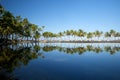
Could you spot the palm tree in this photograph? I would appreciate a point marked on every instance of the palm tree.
(7, 22)
(18, 27)
(14, 26)
(34, 29)
(60, 34)
(48, 35)
(40, 29)
(80, 33)
(45, 34)
(107, 35)
(68, 34)
(74, 34)
(26, 27)
(36, 35)
(84, 34)
(112, 33)
(98, 34)
(117, 35)
(89, 35)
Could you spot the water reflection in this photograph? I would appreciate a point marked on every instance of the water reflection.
(15, 56)
(11, 57)
(82, 49)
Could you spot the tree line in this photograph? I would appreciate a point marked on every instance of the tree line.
(81, 35)
(15, 28)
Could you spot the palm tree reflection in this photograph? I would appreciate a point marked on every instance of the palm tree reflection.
(81, 49)
(12, 57)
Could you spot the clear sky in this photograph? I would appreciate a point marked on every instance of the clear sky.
(60, 15)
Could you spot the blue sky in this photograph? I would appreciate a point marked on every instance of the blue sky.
(60, 15)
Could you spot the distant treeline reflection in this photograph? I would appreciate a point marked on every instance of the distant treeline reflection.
(81, 50)
(13, 56)
(16, 55)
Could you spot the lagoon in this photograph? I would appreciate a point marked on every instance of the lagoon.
(60, 61)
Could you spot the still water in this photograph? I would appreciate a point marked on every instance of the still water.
(60, 61)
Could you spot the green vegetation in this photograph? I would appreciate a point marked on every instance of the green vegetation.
(82, 36)
(14, 28)
(17, 29)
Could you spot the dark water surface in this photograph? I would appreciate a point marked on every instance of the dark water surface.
(60, 61)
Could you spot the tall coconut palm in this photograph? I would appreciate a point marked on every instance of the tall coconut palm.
(68, 34)
(71, 33)
(60, 35)
(74, 34)
(37, 36)
(98, 34)
(107, 35)
(90, 35)
(34, 29)
(117, 35)
(80, 33)
(112, 33)
(26, 28)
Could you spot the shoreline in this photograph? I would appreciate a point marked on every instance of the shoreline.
(44, 41)
(54, 41)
